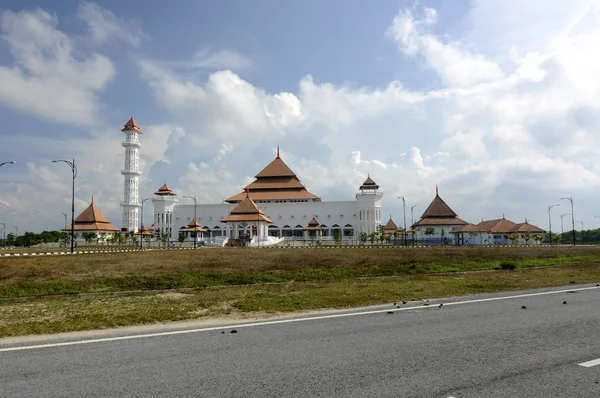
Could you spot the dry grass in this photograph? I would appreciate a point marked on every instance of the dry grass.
(59, 314)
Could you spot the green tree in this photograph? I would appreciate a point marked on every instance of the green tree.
(363, 238)
(338, 238)
(10, 239)
(527, 237)
(513, 237)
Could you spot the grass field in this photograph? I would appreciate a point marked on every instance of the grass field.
(118, 289)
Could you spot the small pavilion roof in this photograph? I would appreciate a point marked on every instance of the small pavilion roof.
(313, 225)
(165, 190)
(246, 211)
(132, 125)
(390, 226)
(369, 184)
(193, 226)
(143, 231)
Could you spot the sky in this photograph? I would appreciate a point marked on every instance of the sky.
(494, 101)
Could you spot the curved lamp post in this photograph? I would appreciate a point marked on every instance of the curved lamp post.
(404, 214)
(562, 230)
(195, 219)
(570, 199)
(550, 221)
(3, 233)
(74, 170)
(9, 162)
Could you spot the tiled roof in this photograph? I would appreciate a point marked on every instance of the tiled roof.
(369, 184)
(438, 208)
(498, 226)
(439, 221)
(469, 228)
(528, 228)
(165, 190)
(275, 182)
(390, 226)
(131, 125)
(92, 219)
(248, 211)
(313, 225)
(143, 231)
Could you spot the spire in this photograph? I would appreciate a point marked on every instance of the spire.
(92, 199)
(436, 190)
(277, 151)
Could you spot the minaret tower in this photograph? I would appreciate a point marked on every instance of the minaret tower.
(131, 172)
(369, 207)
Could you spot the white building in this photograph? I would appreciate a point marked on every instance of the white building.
(282, 198)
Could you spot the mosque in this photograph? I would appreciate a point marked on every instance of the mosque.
(276, 206)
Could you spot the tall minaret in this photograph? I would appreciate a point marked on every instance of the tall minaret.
(131, 172)
(369, 207)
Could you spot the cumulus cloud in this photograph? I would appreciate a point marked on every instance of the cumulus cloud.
(47, 79)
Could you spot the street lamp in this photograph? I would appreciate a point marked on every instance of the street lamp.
(74, 170)
(550, 221)
(16, 231)
(11, 162)
(142, 223)
(64, 214)
(562, 230)
(404, 214)
(570, 199)
(412, 222)
(196, 228)
(3, 232)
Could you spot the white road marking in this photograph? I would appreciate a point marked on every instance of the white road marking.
(589, 364)
(282, 321)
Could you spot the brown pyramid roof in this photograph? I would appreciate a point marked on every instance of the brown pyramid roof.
(439, 213)
(369, 184)
(313, 225)
(390, 226)
(246, 211)
(165, 190)
(438, 208)
(131, 125)
(275, 182)
(143, 231)
(193, 226)
(92, 219)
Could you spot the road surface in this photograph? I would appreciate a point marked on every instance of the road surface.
(476, 346)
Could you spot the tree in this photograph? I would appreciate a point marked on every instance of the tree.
(10, 239)
(103, 236)
(527, 237)
(429, 231)
(513, 237)
(363, 237)
(338, 238)
(88, 237)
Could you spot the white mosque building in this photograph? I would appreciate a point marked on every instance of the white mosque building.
(274, 206)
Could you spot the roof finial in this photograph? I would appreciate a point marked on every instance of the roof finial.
(436, 190)
(277, 151)
(92, 199)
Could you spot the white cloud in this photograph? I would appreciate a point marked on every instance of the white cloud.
(218, 59)
(47, 80)
(105, 26)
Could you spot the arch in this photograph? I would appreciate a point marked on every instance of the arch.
(298, 226)
(348, 226)
(335, 226)
(286, 226)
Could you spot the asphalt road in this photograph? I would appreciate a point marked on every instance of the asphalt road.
(467, 348)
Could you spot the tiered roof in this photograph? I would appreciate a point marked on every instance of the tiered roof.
(439, 213)
(275, 182)
(504, 226)
(165, 191)
(246, 211)
(369, 184)
(92, 220)
(193, 226)
(313, 225)
(131, 125)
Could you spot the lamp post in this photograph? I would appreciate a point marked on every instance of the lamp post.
(570, 199)
(404, 215)
(3, 233)
(196, 228)
(64, 214)
(562, 230)
(581, 222)
(412, 222)
(550, 221)
(16, 231)
(74, 170)
(142, 223)
(10, 162)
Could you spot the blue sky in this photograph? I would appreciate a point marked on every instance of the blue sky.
(494, 101)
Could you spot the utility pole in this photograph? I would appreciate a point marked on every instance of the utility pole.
(404, 214)
(195, 219)
(74, 171)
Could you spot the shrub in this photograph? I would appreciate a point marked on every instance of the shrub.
(508, 266)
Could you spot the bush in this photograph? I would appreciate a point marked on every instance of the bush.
(508, 266)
